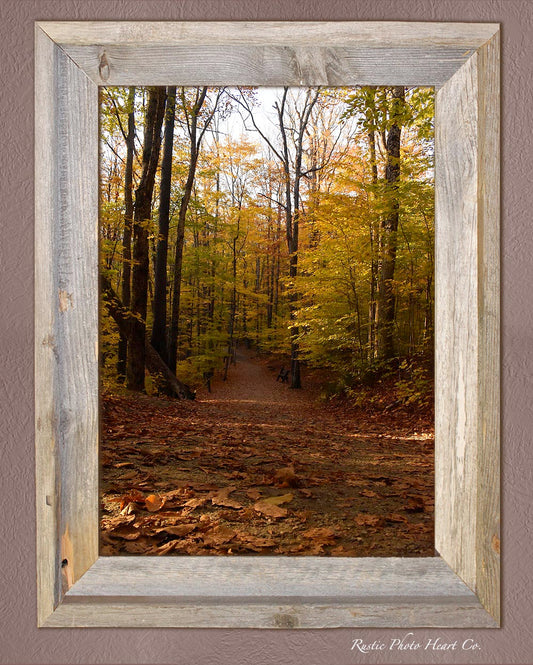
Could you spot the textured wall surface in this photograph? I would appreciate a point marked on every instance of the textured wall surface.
(20, 640)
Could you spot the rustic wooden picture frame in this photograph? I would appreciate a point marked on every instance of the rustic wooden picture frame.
(458, 588)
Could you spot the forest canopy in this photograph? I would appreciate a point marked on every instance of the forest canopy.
(299, 221)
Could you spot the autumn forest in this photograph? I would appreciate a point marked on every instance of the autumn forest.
(266, 335)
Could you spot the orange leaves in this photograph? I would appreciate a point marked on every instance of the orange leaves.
(369, 494)
(134, 496)
(154, 503)
(129, 509)
(221, 498)
(270, 510)
(270, 506)
(324, 535)
(196, 502)
(178, 530)
(203, 478)
(278, 500)
(256, 543)
(368, 520)
(166, 548)
(286, 477)
(218, 535)
(110, 523)
(126, 533)
(395, 517)
(415, 504)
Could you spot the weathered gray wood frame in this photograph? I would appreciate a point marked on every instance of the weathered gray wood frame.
(76, 587)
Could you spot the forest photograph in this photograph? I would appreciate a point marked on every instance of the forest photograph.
(267, 321)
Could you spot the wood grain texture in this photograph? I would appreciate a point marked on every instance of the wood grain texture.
(287, 592)
(456, 321)
(66, 296)
(45, 436)
(467, 324)
(258, 592)
(269, 53)
(488, 481)
(432, 612)
(268, 65)
(365, 33)
(342, 578)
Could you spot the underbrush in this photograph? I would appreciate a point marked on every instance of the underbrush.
(406, 382)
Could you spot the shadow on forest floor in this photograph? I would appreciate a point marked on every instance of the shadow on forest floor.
(255, 467)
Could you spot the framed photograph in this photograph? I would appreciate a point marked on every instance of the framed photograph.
(460, 586)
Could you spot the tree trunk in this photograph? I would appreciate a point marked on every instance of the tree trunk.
(233, 310)
(178, 260)
(128, 223)
(389, 229)
(243, 306)
(278, 264)
(129, 326)
(292, 198)
(293, 230)
(296, 380)
(159, 327)
(141, 222)
(374, 242)
(213, 267)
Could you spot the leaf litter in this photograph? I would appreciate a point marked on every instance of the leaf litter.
(204, 477)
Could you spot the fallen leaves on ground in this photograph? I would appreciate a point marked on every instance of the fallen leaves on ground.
(153, 503)
(278, 500)
(324, 535)
(222, 498)
(368, 520)
(207, 477)
(269, 510)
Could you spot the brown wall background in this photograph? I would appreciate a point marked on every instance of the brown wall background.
(20, 640)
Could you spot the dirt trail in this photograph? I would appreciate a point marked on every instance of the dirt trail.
(253, 392)
(255, 467)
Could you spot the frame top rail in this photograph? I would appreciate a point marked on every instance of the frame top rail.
(369, 34)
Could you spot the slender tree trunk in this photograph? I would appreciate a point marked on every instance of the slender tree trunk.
(129, 326)
(292, 243)
(158, 339)
(291, 227)
(257, 290)
(429, 342)
(233, 308)
(243, 307)
(128, 227)
(293, 230)
(278, 264)
(270, 274)
(141, 222)
(357, 313)
(292, 199)
(374, 242)
(178, 259)
(296, 380)
(389, 230)
(213, 267)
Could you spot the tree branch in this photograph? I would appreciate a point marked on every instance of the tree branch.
(128, 323)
